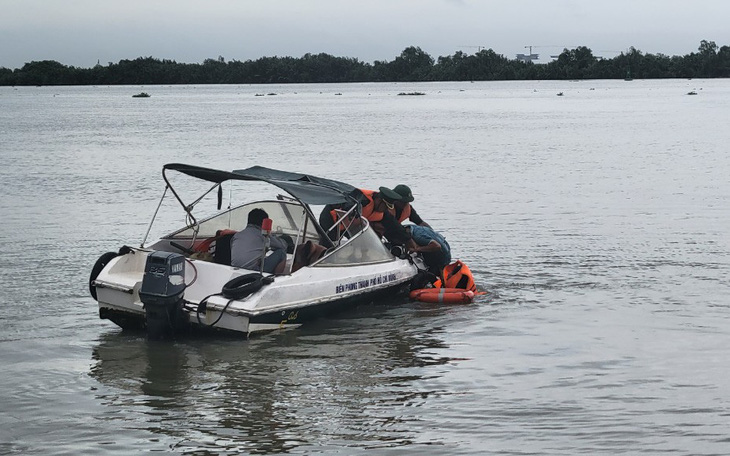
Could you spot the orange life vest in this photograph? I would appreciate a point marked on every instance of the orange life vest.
(456, 275)
(405, 213)
(368, 209)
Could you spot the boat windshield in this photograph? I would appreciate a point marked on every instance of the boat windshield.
(288, 217)
(358, 245)
(363, 248)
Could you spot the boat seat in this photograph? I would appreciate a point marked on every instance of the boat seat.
(222, 254)
(306, 254)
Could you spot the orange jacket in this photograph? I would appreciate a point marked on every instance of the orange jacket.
(368, 209)
(405, 213)
(456, 275)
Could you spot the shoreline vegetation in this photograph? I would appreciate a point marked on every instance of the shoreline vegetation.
(412, 65)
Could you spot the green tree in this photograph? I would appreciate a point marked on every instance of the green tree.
(413, 64)
(575, 63)
(6, 77)
(45, 72)
(709, 61)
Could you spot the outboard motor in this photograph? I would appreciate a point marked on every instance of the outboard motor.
(163, 287)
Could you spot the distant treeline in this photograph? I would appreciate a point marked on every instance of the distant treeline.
(413, 64)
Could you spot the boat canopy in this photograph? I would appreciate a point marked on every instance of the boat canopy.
(304, 187)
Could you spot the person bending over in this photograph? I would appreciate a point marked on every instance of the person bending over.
(249, 244)
(376, 208)
(434, 248)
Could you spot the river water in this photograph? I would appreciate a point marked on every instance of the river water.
(597, 220)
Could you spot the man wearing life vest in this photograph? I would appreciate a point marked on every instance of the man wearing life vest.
(403, 210)
(376, 207)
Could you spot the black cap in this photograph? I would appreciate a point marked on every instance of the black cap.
(389, 195)
(405, 192)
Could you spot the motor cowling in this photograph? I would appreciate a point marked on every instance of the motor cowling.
(162, 291)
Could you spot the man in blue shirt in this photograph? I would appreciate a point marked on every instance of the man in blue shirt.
(434, 248)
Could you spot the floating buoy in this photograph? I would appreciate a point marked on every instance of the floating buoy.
(443, 295)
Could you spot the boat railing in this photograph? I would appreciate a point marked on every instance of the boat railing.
(342, 225)
(362, 247)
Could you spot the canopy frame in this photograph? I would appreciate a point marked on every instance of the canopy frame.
(304, 188)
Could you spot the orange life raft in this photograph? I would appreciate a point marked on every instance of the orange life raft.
(443, 295)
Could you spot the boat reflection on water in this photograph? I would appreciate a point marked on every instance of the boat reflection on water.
(338, 383)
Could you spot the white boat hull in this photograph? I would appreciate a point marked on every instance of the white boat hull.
(285, 303)
(159, 289)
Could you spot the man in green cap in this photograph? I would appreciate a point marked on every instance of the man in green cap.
(403, 209)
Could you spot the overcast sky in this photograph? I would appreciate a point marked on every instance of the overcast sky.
(82, 32)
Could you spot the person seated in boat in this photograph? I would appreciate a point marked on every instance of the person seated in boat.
(403, 209)
(432, 246)
(376, 207)
(248, 246)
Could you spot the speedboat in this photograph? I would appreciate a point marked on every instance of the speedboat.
(184, 282)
